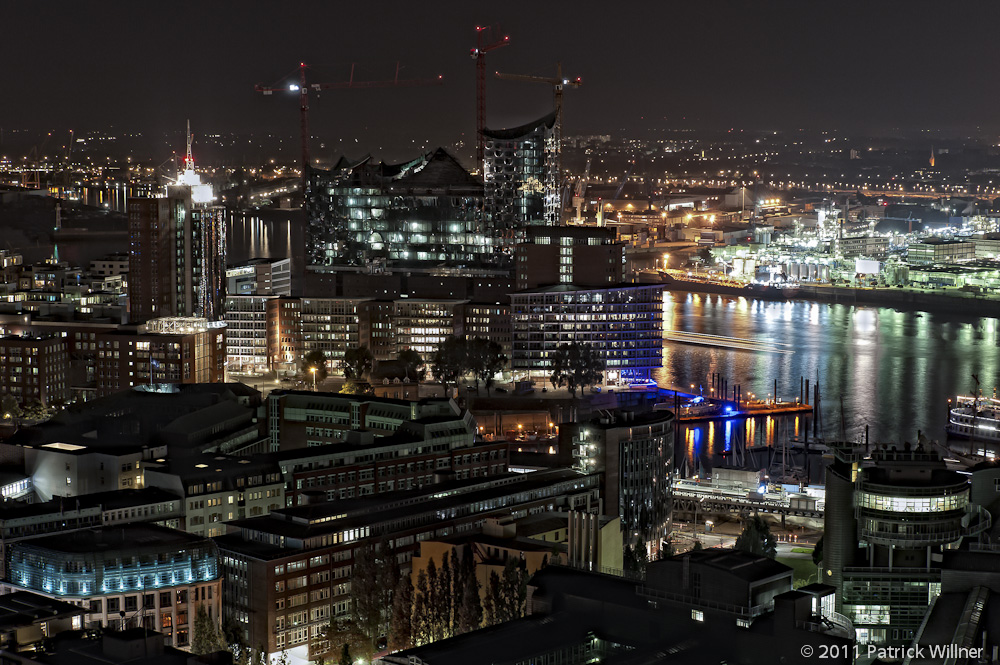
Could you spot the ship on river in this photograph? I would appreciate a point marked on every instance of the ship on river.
(727, 286)
(976, 418)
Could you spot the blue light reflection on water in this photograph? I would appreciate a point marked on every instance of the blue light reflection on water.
(892, 370)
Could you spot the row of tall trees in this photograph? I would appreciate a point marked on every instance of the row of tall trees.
(457, 357)
(448, 600)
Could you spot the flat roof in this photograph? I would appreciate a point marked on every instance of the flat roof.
(127, 537)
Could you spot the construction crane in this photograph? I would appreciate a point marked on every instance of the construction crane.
(484, 44)
(580, 191)
(558, 84)
(303, 87)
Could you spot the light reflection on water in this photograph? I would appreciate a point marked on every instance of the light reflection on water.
(893, 371)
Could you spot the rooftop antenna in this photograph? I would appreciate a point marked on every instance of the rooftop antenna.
(189, 158)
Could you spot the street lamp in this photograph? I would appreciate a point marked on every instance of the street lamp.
(313, 370)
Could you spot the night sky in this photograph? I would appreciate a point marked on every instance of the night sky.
(146, 66)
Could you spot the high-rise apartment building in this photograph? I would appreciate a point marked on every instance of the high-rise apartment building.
(177, 256)
(521, 176)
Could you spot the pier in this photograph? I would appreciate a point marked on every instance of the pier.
(729, 410)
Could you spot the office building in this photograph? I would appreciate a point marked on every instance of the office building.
(940, 250)
(34, 369)
(246, 334)
(260, 277)
(521, 176)
(303, 419)
(623, 324)
(889, 519)
(634, 454)
(177, 256)
(163, 351)
(583, 256)
(287, 575)
(425, 213)
(156, 577)
(216, 489)
(342, 446)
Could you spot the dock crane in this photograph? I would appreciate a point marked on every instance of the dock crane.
(618, 193)
(484, 44)
(303, 87)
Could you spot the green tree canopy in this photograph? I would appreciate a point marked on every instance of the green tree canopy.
(206, 638)
(450, 361)
(576, 365)
(757, 538)
(314, 359)
(358, 363)
(413, 364)
(485, 359)
(9, 408)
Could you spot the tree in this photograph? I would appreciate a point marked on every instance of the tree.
(445, 597)
(413, 364)
(386, 581)
(434, 609)
(35, 410)
(635, 557)
(457, 588)
(401, 624)
(757, 538)
(513, 590)
(450, 361)
(345, 656)
(576, 365)
(485, 359)
(470, 612)
(314, 360)
(491, 603)
(366, 608)
(818, 552)
(206, 637)
(9, 408)
(697, 546)
(232, 634)
(422, 610)
(345, 632)
(358, 363)
(356, 388)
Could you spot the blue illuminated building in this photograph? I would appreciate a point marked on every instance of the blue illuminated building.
(130, 576)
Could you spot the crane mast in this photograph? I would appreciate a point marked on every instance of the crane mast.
(303, 87)
(483, 46)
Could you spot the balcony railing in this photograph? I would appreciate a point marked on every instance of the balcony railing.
(975, 521)
(742, 611)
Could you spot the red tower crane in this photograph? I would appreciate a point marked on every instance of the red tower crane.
(303, 87)
(484, 44)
